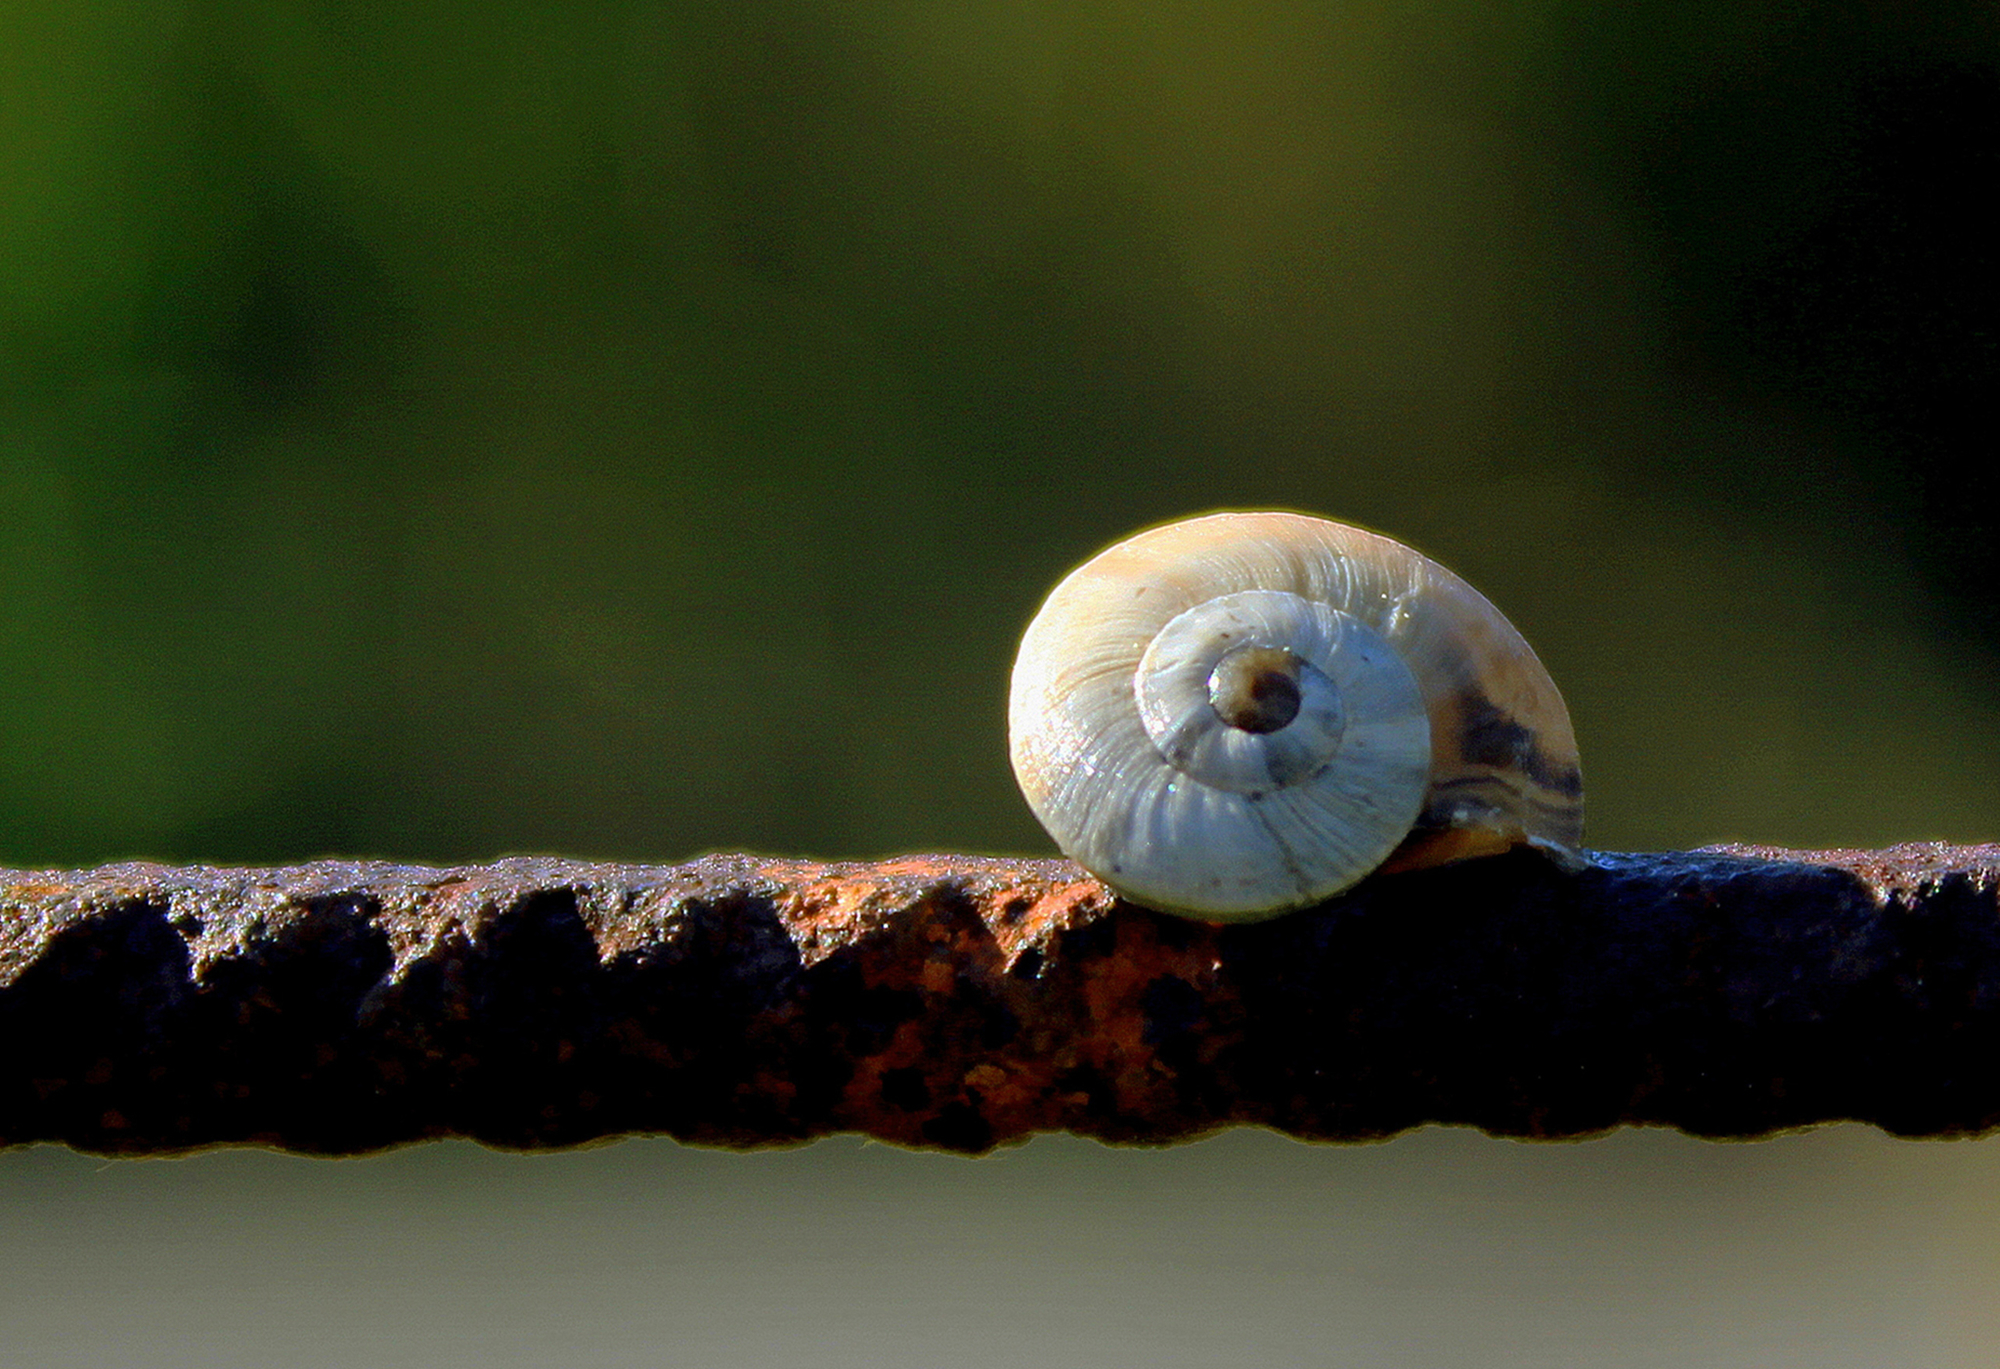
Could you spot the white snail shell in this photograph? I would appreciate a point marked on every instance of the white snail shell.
(1238, 715)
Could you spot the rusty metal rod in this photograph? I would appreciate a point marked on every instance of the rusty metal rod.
(959, 1003)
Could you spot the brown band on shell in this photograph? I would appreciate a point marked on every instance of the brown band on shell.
(1489, 735)
(1505, 777)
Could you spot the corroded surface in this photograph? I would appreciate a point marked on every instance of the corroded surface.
(959, 1002)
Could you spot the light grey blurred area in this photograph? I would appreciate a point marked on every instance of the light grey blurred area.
(441, 431)
(1837, 1247)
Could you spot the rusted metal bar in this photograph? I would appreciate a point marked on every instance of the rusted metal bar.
(958, 1003)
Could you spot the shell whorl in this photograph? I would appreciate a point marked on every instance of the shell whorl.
(1237, 715)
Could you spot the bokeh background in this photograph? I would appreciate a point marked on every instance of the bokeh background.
(448, 430)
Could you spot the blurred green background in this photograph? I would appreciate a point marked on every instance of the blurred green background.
(435, 431)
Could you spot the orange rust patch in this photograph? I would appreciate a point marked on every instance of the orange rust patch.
(1044, 910)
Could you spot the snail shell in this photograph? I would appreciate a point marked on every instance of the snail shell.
(1237, 715)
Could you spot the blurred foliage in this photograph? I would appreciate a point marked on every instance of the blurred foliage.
(443, 430)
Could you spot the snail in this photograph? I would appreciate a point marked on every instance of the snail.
(1238, 715)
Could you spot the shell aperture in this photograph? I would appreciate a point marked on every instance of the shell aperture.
(1237, 715)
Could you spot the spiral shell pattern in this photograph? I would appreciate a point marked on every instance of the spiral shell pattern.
(1241, 714)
